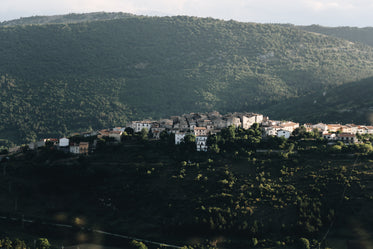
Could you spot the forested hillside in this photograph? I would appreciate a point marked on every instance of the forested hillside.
(349, 103)
(64, 19)
(65, 77)
(354, 34)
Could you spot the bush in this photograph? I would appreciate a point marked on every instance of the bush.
(304, 243)
(336, 149)
(254, 242)
(42, 243)
(138, 245)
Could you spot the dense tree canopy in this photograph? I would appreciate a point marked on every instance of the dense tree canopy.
(349, 103)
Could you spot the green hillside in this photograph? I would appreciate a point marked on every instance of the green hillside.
(354, 34)
(64, 19)
(65, 77)
(349, 103)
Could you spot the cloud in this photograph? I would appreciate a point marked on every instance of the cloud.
(329, 5)
(99, 5)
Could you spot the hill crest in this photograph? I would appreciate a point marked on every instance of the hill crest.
(67, 18)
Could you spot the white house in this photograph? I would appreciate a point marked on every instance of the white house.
(259, 118)
(15, 149)
(35, 145)
(320, 126)
(119, 129)
(179, 137)
(283, 133)
(89, 134)
(137, 126)
(74, 149)
(156, 131)
(116, 135)
(200, 131)
(347, 138)
(184, 125)
(209, 125)
(166, 123)
(362, 130)
(232, 120)
(272, 130)
(289, 126)
(247, 122)
(201, 143)
(81, 148)
(249, 119)
(192, 125)
(308, 126)
(329, 136)
(350, 128)
(64, 142)
(32, 146)
(334, 127)
(220, 123)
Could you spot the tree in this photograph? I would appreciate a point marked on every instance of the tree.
(6, 243)
(164, 136)
(42, 243)
(167, 138)
(3, 151)
(300, 132)
(190, 138)
(214, 148)
(255, 126)
(212, 139)
(291, 147)
(144, 134)
(138, 245)
(336, 148)
(254, 242)
(19, 244)
(189, 143)
(365, 148)
(229, 133)
(304, 243)
(129, 131)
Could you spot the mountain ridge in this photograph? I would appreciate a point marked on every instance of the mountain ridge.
(354, 34)
(66, 18)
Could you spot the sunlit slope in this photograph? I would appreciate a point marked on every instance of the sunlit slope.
(64, 19)
(354, 34)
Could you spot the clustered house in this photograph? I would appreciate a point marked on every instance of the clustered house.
(201, 125)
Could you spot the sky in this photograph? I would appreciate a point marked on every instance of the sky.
(301, 12)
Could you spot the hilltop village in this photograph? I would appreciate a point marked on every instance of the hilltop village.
(202, 125)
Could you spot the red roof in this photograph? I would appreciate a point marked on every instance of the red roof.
(346, 135)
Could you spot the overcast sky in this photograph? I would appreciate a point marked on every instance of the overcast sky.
(304, 12)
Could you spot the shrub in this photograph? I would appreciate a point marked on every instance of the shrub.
(254, 241)
(138, 245)
(304, 243)
(42, 243)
